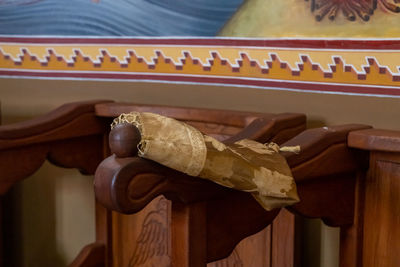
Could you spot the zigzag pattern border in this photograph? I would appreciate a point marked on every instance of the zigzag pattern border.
(187, 68)
(133, 60)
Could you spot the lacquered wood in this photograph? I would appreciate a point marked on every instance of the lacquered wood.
(91, 255)
(224, 124)
(189, 231)
(124, 142)
(277, 127)
(70, 136)
(330, 172)
(73, 136)
(104, 233)
(374, 139)
(143, 239)
(351, 236)
(374, 238)
(253, 251)
(37, 127)
(316, 141)
(325, 169)
(285, 237)
(381, 244)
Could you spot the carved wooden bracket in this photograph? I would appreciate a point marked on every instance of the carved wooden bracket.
(70, 136)
(325, 171)
(129, 184)
(142, 180)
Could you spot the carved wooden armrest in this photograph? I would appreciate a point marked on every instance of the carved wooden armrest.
(127, 170)
(324, 170)
(222, 124)
(129, 184)
(70, 136)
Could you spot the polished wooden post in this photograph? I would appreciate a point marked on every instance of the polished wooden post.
(378, 241)
(189, 234)
(351, 236)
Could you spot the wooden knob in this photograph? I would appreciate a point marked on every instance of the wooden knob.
(124, 139)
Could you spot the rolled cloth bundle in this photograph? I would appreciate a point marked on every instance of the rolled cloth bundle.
(245, 165)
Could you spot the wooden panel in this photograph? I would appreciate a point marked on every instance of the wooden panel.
(92, 255)
(253, 251)
(267, 248)
(283, 240)
(189, 234)
(382, 212)
(374, 139)
(351, 236)
(143, 239)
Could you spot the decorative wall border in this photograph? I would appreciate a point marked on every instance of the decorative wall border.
(366, 67)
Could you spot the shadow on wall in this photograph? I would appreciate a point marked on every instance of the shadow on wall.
(310, 243)
(30, 221)
(50, 217)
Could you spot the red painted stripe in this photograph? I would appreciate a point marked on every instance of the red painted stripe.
(375, 90)
(328, 44)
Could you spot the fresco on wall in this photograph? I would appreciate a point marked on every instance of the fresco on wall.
(335, 46)
(115, 17)
(251, 18)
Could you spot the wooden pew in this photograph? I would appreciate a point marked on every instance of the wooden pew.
(222, 125)
(347, 175)
(210, 220)
(75, 136)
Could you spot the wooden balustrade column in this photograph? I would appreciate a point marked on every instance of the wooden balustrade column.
(189, 234)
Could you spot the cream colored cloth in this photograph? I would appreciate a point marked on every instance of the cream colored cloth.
(245, 165)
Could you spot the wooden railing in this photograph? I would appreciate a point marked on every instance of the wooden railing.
(346, 175)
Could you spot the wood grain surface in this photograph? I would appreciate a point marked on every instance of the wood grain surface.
(375, 140)
(222, 125)
(70, 136)
(91, 255)
(325, 169)
(382, 211)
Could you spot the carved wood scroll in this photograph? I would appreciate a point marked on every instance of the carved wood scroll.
(275, 128)
(220, 124)
(70, 136)
(325, 166)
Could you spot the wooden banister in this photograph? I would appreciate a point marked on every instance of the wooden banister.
(70, 136)
(143, 180)
(346, 175)
(73, 136)
(325, 167)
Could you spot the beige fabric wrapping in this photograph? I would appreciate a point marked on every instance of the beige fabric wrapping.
(245, 165)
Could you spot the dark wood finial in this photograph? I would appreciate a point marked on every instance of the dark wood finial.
(124, 139)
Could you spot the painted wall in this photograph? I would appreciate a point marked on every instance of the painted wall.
(54, 209)
(296, 18)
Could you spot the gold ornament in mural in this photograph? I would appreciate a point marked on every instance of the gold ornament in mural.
(351, 9)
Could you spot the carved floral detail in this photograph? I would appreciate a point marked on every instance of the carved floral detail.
(351, 9)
